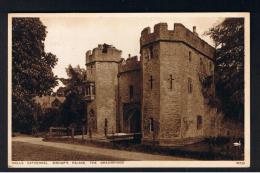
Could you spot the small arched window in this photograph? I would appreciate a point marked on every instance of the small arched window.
(105, 122)
(91, 113)
(131, 91)
(190, 56)
(199, 122)
(151, 124)
(150, 52)
(210, 66)
(189, 85)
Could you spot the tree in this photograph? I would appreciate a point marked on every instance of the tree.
(31, 70)
(76, 81)
(228, 37)
(49, 117)
(73, 109)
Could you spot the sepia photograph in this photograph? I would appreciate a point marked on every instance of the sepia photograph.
(128, 90)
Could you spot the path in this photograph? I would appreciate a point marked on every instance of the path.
(120, 154)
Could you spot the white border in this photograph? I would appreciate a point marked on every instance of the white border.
(133, 164)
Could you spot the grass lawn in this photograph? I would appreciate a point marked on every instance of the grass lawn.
(22, 151)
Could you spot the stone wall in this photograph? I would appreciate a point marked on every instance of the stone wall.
(106, 92)
(102, 69)
(129, 74)
(171, 57)
(179, 34)
(193, 104)
(171, 114)
(182, 55)
(92, 116)
(231, 129)
(150, 96)
(104, 53)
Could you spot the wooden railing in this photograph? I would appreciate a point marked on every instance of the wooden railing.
(58, 131)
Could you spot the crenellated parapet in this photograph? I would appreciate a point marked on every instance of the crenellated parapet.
(179, 34)
(105, 53)
(130, 64)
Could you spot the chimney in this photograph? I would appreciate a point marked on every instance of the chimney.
(194, 30)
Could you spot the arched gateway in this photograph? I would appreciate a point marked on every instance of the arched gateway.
(132, 118)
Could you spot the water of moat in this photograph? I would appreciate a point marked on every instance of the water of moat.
(209, 149)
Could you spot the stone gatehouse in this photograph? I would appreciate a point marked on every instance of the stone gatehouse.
(159, 95)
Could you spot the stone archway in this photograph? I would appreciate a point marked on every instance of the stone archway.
(132, 118)
(134, 121)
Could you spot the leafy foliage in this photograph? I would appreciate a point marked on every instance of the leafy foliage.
(31, 70)
(76, 80)
(23, 117)
(50, 117)
(208, 90)
(73, 109)
(229, 66)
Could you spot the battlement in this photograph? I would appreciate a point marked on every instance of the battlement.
(130, 64)
(103, 52)
(179, 34)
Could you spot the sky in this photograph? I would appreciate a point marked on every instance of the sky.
(70, 37)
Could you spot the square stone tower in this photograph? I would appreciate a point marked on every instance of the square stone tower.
(102, 69)
(173, 107)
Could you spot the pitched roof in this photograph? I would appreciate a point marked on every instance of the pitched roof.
(46, 101)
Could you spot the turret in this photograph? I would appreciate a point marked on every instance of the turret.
(103, 52)
(130, 64)
(171, 95)
(179, 34)
(102, 69)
